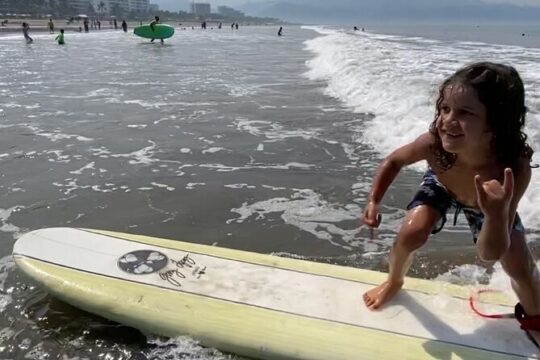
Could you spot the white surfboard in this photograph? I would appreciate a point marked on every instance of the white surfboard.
(263, 306)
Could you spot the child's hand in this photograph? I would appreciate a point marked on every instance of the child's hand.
(494, 198)
(371, 216)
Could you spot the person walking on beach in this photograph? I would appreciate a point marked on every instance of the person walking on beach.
(153, 24)
(25, 30)
(124, 25)
(478, 162)
(51, 26)
(60, 37)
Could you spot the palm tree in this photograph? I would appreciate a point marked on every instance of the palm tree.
(101, 8)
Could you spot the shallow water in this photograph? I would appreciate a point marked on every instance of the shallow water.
(235, 138)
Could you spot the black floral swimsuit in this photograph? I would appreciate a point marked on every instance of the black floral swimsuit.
(434, 194)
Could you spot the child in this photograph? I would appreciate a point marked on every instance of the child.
(479, 163)
(60, 37)
(25, 30)
(153, 25)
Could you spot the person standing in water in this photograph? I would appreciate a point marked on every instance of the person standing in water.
(279, 33)
(60, 37)
(478, 162)
(51, 26)
(124, 25)
(25, 30)
(153, 24)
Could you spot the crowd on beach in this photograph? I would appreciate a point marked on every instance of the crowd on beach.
(95, 24)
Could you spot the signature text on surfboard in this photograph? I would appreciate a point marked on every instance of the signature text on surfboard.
(183, 268)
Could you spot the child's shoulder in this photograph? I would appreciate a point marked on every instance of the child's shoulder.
(425, 143)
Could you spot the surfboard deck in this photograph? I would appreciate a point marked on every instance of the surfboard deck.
(161, 31)
(263, 306)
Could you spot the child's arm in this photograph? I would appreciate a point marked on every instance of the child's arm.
(387, 171)
(499, 204)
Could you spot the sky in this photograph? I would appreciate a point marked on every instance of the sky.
(336, 11)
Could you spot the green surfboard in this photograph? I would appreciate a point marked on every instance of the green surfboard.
(160, 31)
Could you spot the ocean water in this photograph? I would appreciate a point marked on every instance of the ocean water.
(240, 139)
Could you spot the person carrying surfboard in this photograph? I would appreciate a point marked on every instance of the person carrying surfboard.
(153, 25)
(479, 163)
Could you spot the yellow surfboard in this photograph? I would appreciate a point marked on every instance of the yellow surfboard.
(263, 306)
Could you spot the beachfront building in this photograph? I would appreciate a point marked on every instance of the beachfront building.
(229, 12)
(200, 9)
(115, 5)
(81, 6)
(105, 6)
(139, 5)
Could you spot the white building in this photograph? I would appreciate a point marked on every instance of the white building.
(139, 5)
(200, 9)
(106, 6)
(122, 4)
(81, 6)
(229, 11)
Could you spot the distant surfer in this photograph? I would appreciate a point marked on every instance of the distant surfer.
(124, 25)
(355, 28)
(153, 24)
(280, 31)
(479, 163)
(51, 26)
(60, 37)
(26, 29)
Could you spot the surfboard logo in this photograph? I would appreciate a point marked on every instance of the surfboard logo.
(142, 262)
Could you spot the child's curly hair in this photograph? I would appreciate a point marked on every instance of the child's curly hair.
(500, 88)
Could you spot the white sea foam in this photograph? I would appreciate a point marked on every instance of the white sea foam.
(184, 348)
(6, 266)
(6, 226)
(192, 185)
(142, 156)
(307, 210)
(89, 166)
(212, 150)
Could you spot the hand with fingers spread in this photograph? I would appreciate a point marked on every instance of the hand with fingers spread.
(493, 197)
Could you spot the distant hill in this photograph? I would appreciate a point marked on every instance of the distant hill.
(347, 11)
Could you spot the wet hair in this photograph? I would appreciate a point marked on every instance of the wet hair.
(500, 88)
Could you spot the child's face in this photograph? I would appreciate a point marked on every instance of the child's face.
(462, 122)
